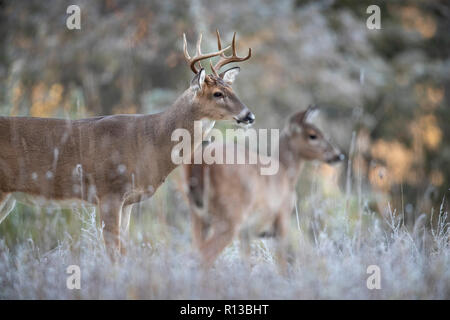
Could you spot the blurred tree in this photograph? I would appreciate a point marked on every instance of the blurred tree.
(390, 86)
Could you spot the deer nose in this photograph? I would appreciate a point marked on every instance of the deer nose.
(249, 118)
(245, 116)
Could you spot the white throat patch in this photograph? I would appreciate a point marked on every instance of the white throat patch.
(207, 125)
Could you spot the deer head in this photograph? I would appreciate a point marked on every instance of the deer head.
(307, 141)
(213, 92)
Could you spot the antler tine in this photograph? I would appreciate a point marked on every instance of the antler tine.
(199, 43)
(199, 49)
(219, 47)
(233, 44)
(185, 51)
(219, 43)
(212, 68)
(229, 59)
(199, 56)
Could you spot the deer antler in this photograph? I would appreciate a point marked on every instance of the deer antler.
(228, 59)
(199, 55)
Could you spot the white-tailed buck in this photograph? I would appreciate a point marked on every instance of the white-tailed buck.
(112, 161)
(229, 200)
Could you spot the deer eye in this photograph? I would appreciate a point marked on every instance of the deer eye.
(218, 94)
(313, 136)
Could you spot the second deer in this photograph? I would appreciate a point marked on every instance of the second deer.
(113, 161)
(229, 200)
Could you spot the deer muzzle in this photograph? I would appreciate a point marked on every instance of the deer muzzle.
(245, 117)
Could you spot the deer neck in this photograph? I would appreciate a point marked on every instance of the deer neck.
(290, 160)
(181, 115)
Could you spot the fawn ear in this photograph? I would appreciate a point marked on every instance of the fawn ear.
(310, 113)
(295, 121)
(298, 118)
(199, 80)
(229, 75)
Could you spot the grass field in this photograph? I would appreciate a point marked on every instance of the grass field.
(332, 248)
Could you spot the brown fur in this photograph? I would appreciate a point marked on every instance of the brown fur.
(109, 161)
(229, 200)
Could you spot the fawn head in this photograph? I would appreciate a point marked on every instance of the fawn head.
(213, 92)
(307, 141)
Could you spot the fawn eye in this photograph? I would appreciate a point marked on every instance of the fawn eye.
(312, 136)
(218, 94)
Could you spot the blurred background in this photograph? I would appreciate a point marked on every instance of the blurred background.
(384, 94)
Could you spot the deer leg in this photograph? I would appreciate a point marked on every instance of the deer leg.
(7, 203)
(199, 230)
(110, 208)
(125, 227)
(281, 230)
(221, 237)
(244, 241)
(196, 226)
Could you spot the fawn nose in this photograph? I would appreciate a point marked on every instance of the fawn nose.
(337, 158)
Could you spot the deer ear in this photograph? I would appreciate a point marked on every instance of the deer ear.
(199, 80)
(229, 75)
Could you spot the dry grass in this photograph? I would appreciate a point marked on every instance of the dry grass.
(330, 255)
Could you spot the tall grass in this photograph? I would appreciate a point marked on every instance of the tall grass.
(332, 247)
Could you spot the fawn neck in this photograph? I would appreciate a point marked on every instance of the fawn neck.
(290, 160)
